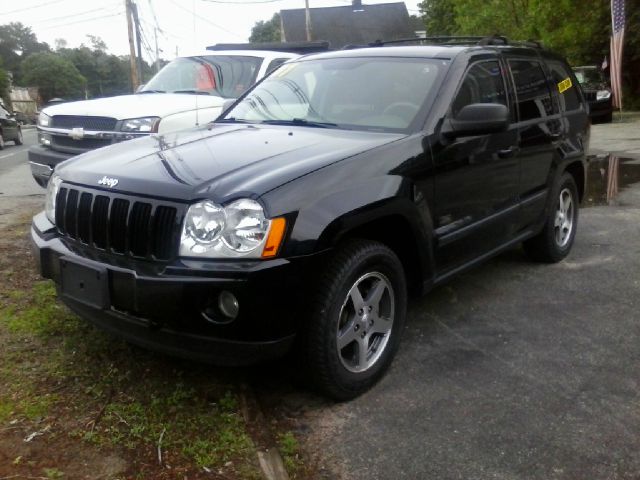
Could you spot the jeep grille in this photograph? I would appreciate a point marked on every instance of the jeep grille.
(138, 228)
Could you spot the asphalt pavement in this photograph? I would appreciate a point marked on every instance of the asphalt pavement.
(514, 370)
(15, 175)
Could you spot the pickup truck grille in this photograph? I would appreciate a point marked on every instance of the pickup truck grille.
(139, 228)
(83, 144)
(107, 124)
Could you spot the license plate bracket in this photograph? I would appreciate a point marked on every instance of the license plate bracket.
(85, 284)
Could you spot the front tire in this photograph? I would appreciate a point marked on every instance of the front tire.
(356, 319)
(1, 141)
(555, 240)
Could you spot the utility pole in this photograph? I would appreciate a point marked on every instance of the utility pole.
(307, 19)
(132, 51)
(155, 34)
(136, 21)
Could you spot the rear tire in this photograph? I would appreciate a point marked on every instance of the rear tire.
(555, 240)
(356, 319)
(18, 140)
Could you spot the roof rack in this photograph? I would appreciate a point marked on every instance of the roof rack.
(453, 40)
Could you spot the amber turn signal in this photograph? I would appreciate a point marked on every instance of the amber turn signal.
(274, 238)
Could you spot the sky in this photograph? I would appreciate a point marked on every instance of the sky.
(182, 26)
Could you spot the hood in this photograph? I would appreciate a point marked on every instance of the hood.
(134, 106)
(218, 162)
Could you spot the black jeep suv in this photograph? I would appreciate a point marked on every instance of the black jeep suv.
(307, 212)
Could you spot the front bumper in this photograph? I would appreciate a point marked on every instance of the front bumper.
(600, 108)
(160, 306)
(43, 161)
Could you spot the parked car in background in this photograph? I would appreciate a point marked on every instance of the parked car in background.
(188, 91)
(305, 214)
(597, 92)
(10, 129)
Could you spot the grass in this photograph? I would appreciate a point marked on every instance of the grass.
(88, 390)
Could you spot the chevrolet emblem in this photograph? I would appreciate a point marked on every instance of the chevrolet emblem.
(77, 133)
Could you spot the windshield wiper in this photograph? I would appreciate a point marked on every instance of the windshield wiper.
(196, 92)
(301, 121)
(232, 120)
(151, 91)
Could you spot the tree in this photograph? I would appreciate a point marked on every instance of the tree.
(17, 42)
(54, 75)
(439, 17)
(4, 87)
(268, 31)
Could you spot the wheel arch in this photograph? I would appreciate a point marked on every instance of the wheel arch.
(577, 170)
(394, 227)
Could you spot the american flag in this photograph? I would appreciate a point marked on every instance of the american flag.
(617, 40)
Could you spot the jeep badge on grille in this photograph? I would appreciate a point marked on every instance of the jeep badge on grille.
(109, 182)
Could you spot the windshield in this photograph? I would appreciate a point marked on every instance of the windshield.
(374, 93)
(227, 76)
(589, 76)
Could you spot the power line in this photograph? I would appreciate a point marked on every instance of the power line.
(249, 2)
(204, 19)
(73, 15)
(32, 7)
(82, 21)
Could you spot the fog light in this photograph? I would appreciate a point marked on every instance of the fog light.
(228, 304)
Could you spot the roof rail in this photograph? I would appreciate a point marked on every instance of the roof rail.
(453, 40)
(290, 47)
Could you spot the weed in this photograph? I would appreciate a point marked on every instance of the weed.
(53, 473)
(290, 451)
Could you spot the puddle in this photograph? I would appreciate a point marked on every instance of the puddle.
(607, 176)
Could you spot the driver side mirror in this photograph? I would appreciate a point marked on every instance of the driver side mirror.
(477, 119)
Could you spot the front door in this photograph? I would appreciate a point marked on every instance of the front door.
(476, 177)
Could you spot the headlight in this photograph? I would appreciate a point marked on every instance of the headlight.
(603, 94)
(50, 200)
(239, 229)
(44, 120)
(142, 125)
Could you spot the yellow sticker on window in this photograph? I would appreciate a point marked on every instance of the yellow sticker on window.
(565, 85)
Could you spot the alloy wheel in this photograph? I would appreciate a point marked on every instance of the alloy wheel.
(365, 322)
(563, 224)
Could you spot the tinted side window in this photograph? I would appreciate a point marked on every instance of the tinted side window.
(533, 97)
(482, 83)
(275, 64)
(567, 91)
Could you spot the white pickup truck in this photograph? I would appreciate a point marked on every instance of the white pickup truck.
(187, 92)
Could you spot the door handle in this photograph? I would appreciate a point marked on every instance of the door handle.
(554, 137)
(508, 152)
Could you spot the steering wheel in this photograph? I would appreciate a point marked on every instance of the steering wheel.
(399, 108)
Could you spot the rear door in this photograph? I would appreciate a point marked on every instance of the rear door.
(541, 132)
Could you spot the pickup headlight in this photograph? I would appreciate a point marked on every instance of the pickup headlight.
(238, 230)
(603, 94)
(141, 125)
(50, 200)
(44, 120)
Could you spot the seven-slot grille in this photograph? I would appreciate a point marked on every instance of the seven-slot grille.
(88, 123)
(589, 96)
(127, 226)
